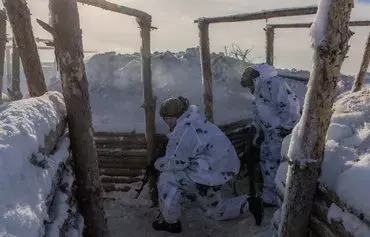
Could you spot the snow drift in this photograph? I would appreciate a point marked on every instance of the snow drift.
(346, 165)
(33, 159)
(116, 89)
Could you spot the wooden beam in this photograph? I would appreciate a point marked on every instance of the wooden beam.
(20, 19)
(8, 67)
(2, 50)
(115, 8)
(308, 25)
(16, 73)
(270, 45)
(69, 53)
(261, 15)
(205, 59)
(310, 133)
(146, 75)
(363, 68)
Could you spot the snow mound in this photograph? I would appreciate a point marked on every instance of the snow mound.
(346, 165)
(116, 89)
(25, 187)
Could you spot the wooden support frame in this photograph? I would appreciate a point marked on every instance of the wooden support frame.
(8, 67)
(205, 55)
(20, 20)
(270, 35)
(145, 22)
(16, 73)
(270, 31)
(363, 68)
(261, 15)
(2, 50)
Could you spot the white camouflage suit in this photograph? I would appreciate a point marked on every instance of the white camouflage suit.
(199, 160)
(278, 111)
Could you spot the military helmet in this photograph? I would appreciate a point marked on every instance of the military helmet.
(174, 107)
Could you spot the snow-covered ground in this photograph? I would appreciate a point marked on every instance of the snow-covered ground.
(133, 217)
(346, 164)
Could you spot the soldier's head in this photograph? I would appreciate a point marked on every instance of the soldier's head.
(172, 108)
(255, 72)
(248, 78)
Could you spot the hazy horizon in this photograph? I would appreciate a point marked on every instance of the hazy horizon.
(106, 31)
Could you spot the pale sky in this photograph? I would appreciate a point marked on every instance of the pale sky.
(106, 31)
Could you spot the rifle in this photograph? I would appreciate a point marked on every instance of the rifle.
(148, 173)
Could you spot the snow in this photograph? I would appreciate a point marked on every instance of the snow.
(350, 222)
(320, 23)
(24, 187)
(346, 165)
(133, 217)
(116, 89)
(115, 85)
(23, 194)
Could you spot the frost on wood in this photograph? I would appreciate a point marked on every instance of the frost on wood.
(320, 24)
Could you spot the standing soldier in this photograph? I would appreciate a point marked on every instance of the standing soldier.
(277, 112)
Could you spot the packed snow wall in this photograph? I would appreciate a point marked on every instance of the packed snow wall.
(343, 202)
(36, 178)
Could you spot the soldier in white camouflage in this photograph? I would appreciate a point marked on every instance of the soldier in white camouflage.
(199, 160)
(277, 112)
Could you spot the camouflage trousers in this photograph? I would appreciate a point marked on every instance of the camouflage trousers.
(270, 159)
(172, 186)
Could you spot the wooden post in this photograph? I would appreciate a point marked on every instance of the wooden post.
(306, 155)
(270, 45)
(205, 59)
(3, 41)
(146, 75)
(8, 68)
(20, 20)
(15, 92)
(67, 36)
(364, 65)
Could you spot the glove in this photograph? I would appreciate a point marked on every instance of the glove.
(160, 164)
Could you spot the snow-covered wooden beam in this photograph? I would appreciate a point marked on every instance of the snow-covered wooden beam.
(115, 8)
(261, 15)
(308, 25)
(330, 37)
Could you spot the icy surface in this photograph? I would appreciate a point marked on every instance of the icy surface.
(24, 186)
(320, 23)
(346, 164)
